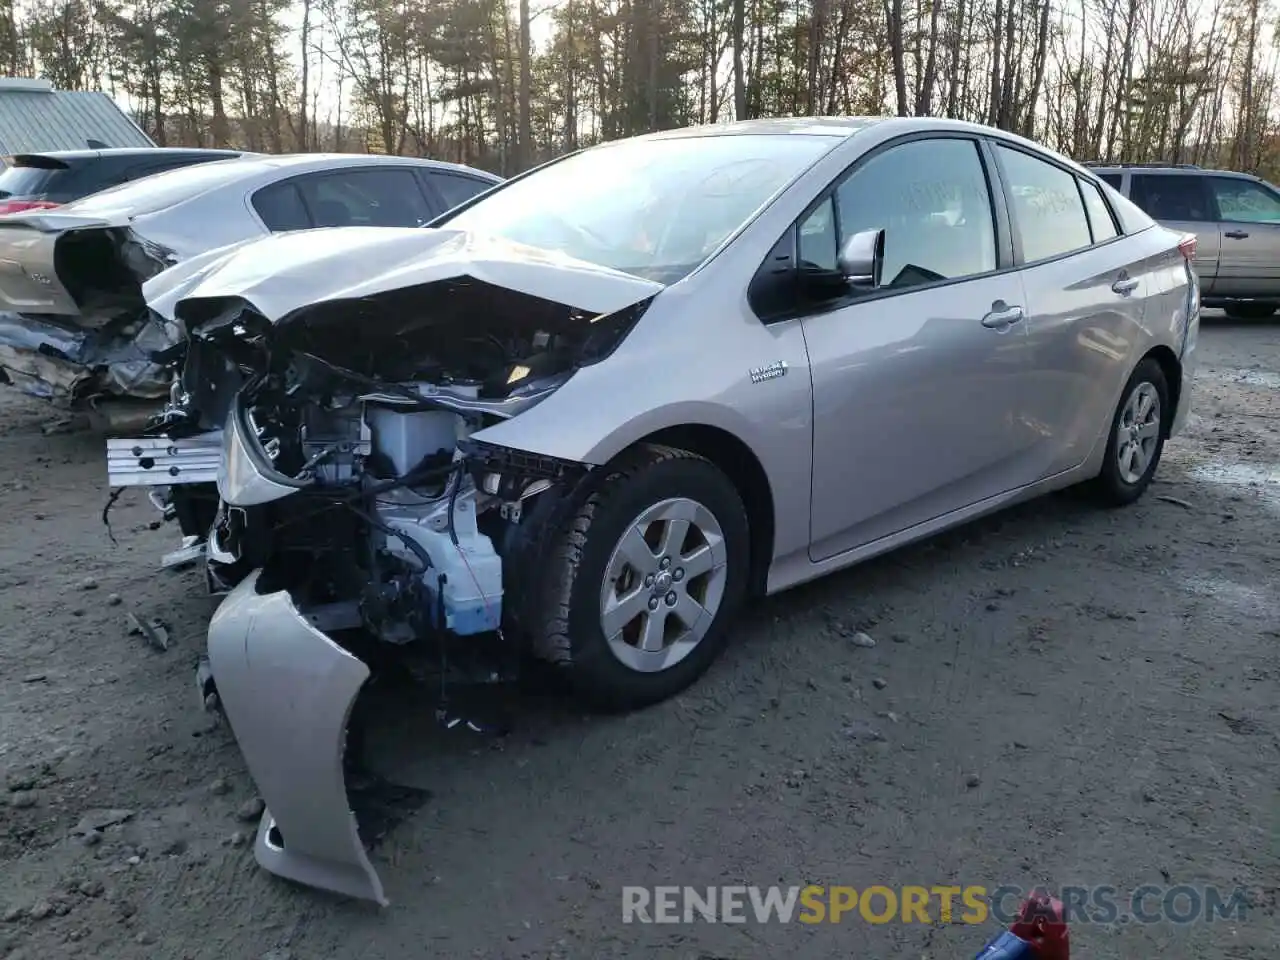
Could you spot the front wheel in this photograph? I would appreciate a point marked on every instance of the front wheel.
(649, 574)
(1136, 441)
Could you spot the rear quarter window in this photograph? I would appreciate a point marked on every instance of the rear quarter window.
(1130, 215)
(163, 190)
(1100, 221)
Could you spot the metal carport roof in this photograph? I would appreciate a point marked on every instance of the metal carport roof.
(35, 118)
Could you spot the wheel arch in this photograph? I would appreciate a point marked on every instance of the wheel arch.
(745, 471)
(1171, 367)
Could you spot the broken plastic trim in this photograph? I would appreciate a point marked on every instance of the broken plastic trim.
(506, 473)
(246, 476)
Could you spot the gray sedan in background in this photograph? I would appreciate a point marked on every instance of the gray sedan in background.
(73, 325)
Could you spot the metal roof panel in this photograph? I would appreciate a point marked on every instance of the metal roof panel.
(35, 121)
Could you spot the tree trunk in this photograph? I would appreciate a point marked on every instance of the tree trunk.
(739, 29)
(525, 156)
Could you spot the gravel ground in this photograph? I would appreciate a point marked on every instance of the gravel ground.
(1055, 695)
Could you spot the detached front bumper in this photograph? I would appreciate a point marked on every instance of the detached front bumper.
(288, 691)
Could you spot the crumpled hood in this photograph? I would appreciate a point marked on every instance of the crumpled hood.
(285, 272)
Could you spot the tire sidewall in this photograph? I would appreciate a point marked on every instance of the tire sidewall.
(1250, 311)
(600, 675)
(1114, 485)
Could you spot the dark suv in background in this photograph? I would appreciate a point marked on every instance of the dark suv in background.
(30, 181)
(1235, 217)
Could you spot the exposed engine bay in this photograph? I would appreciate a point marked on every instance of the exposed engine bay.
(323, 451)
(322, 433)
(321, 458)
(365, 411)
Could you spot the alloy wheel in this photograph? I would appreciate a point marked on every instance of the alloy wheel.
(1138, 432)
(663, 584)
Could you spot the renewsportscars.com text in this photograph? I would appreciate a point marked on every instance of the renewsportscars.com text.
(1178, 904)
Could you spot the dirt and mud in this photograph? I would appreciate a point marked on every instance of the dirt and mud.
(1054, 695)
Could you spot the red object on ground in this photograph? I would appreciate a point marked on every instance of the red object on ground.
(1042, 923)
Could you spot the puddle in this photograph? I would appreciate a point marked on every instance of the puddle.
(1252, 378)
(1238, 596)
(1262, 480)
(1239, 474)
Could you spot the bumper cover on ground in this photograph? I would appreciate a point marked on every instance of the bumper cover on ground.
(288, 690)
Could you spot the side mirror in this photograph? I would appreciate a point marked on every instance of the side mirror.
(862, 259)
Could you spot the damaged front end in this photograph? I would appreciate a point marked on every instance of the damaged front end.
(74, 327)
(360, 522)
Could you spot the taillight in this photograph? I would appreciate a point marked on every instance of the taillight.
(17, 206)
(1187, 247)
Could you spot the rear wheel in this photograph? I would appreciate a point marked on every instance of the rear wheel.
(647, 579)
(1137, 436)
(1250, 311)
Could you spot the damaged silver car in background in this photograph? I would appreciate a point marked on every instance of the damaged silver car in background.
(586, 415)
(73, 325)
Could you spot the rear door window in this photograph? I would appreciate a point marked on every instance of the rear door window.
(1171, 196)
(1111, 179)
(385, 197)
(281, 208)
(1047, 208)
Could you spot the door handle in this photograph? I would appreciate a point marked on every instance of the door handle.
(1236, 234)
(1002, 317)
(1125, 286)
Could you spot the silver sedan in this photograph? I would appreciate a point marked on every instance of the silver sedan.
(592, 411)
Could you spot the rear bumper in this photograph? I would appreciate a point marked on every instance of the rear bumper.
(287, 690)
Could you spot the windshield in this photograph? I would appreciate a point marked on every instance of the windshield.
(653, 208)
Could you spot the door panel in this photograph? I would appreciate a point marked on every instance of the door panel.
(916, 383)
(1249, 265)
(1183, 202)
(917, 409)
(1085, 301)
(1085, 315)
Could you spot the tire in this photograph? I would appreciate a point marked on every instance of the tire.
(1123, 479)
(1250, 311)
(589, 569)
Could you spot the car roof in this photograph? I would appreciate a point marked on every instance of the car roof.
(814, 126)
(324, 161)
(184, 184)
(1179, 169)
(843, 128)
